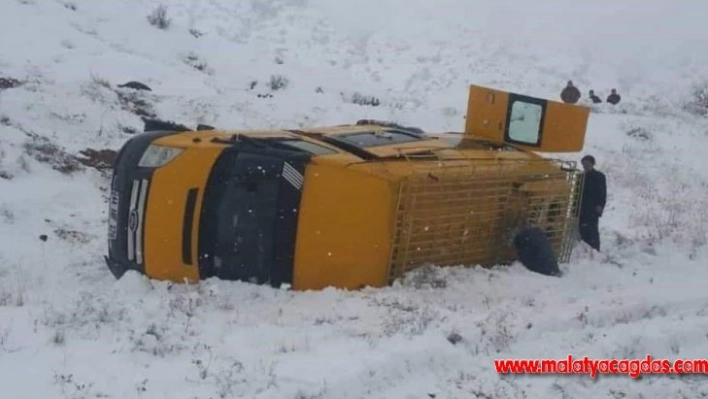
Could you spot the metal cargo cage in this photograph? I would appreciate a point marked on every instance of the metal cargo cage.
(467, 213)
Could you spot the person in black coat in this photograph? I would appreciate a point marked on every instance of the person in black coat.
(614, 98)
(570, 94)
(593, 202)
(595, 99)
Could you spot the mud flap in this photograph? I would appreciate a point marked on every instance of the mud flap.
(117, 269)
(535, 252)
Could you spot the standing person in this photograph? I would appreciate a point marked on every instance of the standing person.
(593, 202)
(570, 93)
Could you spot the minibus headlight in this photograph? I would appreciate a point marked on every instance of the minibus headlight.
(156, 156)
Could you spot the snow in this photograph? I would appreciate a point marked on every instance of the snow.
(68, 329)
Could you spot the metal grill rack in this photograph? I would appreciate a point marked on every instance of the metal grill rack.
(466, 213)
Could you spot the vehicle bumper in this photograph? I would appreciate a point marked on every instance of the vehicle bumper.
(127, 202)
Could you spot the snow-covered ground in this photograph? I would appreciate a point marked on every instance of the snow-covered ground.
(68, 329)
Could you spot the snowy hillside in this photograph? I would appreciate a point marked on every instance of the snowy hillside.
(68, 329)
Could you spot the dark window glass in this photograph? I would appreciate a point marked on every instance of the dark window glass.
(306, 146)
(372, 139)
(238, 217)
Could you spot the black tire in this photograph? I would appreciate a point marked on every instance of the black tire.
(535, 252)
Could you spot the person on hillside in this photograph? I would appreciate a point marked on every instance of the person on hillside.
(593, 202)
(614, 98)
(594, 98)
(570, 93)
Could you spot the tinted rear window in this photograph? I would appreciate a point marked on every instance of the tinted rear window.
(306, 146)
(371, 139)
